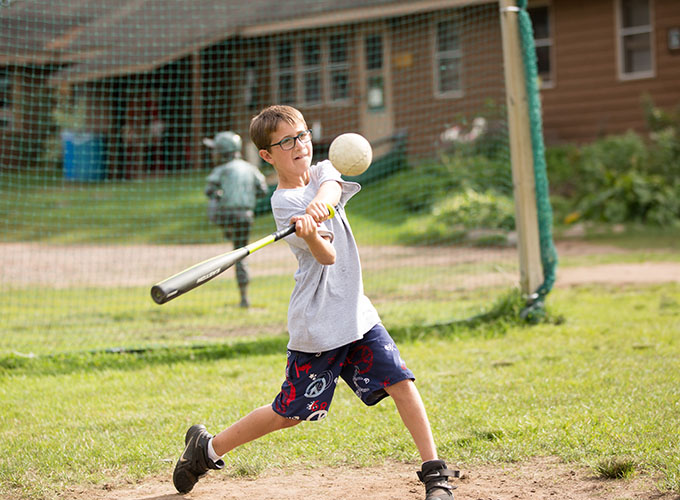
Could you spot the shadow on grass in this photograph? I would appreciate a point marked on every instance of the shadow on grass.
(131, 359)
(508, 311)
(505, 313)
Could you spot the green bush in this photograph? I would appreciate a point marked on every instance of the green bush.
(466, 216)
(479, 172)
(614, 155)
(634, 197)
(473, 210)
(629, 181)
(564, 172)
(420, 186)
(664, 133)
(665, 153)
(624, 178)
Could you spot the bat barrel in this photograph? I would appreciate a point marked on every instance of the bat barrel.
(190, 278)
(161, 293)
(204, 271)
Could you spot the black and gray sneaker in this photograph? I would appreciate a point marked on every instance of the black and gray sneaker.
(194, 462)
(435, 476)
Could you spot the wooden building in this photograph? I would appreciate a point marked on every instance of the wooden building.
(372, 66)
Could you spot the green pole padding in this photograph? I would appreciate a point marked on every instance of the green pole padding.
(544, 209)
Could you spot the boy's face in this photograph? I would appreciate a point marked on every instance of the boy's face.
(293, 162)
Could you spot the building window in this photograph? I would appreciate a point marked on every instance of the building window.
(312, 69)
(540, 20)
(286, 72)
(250, 88)
(375, 85)
(635, 38)
(338, 67)
(5, 98)
(448, 58)
(374, 52)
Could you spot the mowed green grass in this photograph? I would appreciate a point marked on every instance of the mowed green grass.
(168, 210)
(42, 321)
(598, 381)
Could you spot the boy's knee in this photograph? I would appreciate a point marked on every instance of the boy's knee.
(402, 387)
(285, 423)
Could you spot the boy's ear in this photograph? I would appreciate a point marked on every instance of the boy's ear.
(266, 156)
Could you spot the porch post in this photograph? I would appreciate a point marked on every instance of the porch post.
(196, 111)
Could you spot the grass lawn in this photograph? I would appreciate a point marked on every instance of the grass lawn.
(599, 380)
(596, 382)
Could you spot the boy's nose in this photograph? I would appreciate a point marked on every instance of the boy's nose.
(301, 146)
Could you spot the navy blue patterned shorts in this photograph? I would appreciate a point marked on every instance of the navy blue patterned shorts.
(367, 366)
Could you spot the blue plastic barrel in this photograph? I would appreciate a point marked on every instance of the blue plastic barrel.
(83, 156)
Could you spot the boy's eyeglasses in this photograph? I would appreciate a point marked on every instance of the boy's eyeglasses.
(288, 143)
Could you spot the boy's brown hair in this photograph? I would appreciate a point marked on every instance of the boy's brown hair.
(265, 123)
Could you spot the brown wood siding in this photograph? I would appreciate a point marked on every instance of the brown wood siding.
(589, 100)
(418, 109)
(667, 90)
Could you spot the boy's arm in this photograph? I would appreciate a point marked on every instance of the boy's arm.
(328, 194)
(212, 190)
(212, 184)
(307, 229)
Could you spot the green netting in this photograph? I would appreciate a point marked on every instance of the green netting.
(103, 109)
(544, 209)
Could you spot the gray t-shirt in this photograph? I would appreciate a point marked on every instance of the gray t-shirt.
(328, 308)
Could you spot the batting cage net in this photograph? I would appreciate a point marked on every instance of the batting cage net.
(104, 111)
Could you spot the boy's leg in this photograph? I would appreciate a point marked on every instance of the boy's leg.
(434, 473)
(241, 233)
(413, 414)
(310, 376)
(374, 369)
(195, 460)
(256, 424)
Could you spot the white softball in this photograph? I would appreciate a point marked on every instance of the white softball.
(350, 154)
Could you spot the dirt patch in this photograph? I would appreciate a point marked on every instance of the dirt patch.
(535, 479)
(64, 266)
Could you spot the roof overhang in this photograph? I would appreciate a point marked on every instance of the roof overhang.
(95, 69)
(350, 16)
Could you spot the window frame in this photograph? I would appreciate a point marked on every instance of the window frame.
(325, 69)
(374, 70)
(251, 91)
(314, 69)
(285, 71)
(337, 67)
(622, 33)
(6, 77)
(457, 54)
(548, 42)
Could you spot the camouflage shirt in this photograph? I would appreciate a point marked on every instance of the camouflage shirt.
(236, 185)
